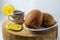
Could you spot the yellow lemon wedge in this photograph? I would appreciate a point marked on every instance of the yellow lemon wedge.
(12, 26)
(7, 9)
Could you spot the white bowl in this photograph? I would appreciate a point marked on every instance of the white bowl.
(40, 29)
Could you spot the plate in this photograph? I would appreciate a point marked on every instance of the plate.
(40, 29)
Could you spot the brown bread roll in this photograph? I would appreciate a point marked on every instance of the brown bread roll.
(34, 19)
(48, 20)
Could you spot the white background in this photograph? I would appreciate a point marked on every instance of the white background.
(51, 6)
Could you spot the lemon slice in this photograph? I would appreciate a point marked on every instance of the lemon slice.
(7, 9)
(12, 26)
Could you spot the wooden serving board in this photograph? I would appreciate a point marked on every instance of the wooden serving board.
(50, 34)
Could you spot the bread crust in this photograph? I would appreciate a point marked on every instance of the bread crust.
(48, 20)
(34, 19)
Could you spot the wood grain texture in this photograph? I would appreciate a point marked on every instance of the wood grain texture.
(50, 34)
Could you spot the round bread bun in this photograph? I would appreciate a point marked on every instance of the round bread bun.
(34, 19)
(48, 20)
